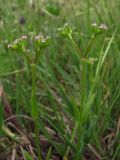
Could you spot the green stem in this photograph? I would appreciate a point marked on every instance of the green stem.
(90, 44)
(34, 110)
(74, 14)
(82, 86)
(38, 54)
(83, 82)
(72, 137)
(26, 57)
(76, 47)
(17, 93)
(88, 12)
(83, 96)
(79, 146)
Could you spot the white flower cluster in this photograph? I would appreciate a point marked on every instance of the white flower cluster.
(41, 41)
(101, 26)
(41, 38)
(17, 41)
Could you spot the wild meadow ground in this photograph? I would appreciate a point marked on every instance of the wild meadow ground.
(59, 80)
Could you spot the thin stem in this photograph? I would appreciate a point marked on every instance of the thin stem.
(74, 14)
(79, 125)
(26, 57)
(72, 137)
(38, 55)
(83, 82)
(79, 146)
(34, 110)
(17, 93)
(90, 44)
(88, 12)
(83, 96)
(76, 47)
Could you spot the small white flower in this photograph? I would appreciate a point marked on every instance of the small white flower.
(24, 37)
(37, 37)
(94, 24)
(103, 26)
(9, 45)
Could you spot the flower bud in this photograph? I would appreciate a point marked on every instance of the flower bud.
(65, 31)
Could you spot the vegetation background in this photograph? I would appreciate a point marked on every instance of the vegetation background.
(78, 100)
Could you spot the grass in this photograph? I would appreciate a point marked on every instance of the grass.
(59, 100)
